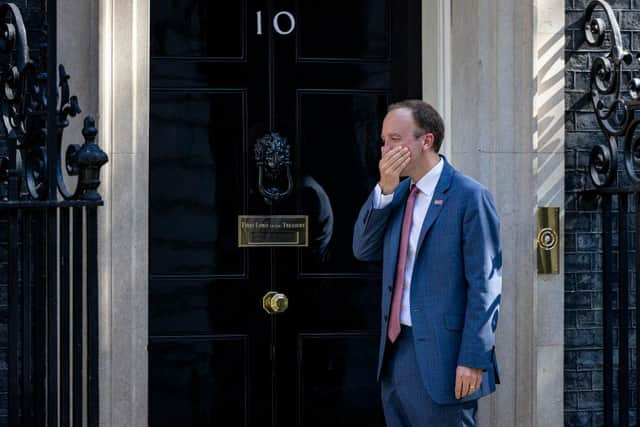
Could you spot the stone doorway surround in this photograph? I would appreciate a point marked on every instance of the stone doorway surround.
(494, 68)
(508, 108)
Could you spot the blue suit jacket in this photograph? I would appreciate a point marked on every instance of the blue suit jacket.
(456, 282)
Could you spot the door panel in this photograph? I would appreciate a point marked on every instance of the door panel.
(198, 382)
(330, 103)
(215, 91)
(335, 382)
(354, 30)
(338, 135)
(199, 306)
(209, 347)
(199, 138)
(194, 28)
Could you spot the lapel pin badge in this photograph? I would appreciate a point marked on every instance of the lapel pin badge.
(438, 202)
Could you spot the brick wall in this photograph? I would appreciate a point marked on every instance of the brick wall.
(584, 397)
(34, 16)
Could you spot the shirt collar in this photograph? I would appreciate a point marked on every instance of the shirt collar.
(427, 184)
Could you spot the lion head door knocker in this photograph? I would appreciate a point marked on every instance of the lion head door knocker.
(273, 160)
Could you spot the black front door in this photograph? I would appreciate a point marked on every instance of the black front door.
(319, 73)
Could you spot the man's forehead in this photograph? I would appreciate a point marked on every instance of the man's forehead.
(397, 119)
(401, 112)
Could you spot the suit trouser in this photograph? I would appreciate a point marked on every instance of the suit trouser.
(405, 400)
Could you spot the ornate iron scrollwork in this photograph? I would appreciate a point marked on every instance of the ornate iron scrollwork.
(272, 154)
(23, 128)
(613, 109)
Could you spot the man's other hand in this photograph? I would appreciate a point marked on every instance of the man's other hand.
(468, 381)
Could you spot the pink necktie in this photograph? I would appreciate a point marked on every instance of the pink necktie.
(396, 302)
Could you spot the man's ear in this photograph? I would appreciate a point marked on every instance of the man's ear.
(427, 142)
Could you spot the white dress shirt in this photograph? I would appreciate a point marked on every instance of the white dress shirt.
(426, 185)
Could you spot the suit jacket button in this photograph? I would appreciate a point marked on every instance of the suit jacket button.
(386, 317)
(390, 288)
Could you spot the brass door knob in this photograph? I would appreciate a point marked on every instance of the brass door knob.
(275, 302)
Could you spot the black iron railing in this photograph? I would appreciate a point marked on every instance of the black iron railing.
(616, 104)
(52, 236)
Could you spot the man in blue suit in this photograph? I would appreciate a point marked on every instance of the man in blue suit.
(437, 234)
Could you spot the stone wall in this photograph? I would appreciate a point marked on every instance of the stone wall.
(507, 115)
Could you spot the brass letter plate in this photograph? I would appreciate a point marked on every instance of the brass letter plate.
(548, 241)
(273, 230)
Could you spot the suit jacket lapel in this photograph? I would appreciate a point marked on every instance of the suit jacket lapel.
(438, 201)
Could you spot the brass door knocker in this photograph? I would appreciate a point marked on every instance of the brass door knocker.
(272, 157)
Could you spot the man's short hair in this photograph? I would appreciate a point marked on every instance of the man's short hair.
(426, 119)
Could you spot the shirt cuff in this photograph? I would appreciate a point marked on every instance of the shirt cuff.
(381, 201)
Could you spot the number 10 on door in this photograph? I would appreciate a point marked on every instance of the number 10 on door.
(278, 18)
